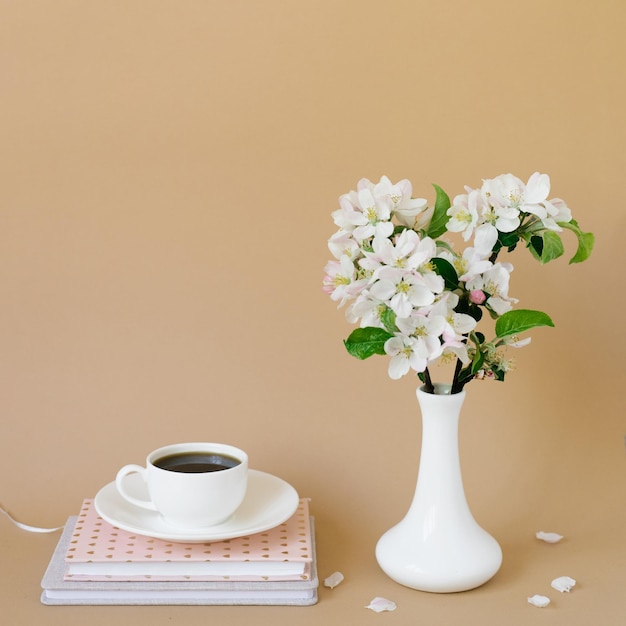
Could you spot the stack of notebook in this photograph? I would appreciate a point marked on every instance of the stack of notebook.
(97, 563)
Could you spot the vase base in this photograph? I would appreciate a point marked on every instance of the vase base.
(448, 568)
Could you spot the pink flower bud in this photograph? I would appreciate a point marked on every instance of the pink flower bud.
(477, 296)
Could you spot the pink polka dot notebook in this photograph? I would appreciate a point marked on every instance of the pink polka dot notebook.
(99, 551)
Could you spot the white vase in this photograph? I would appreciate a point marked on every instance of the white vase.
(438, 546)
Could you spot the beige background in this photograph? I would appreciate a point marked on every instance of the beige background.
(168, 170)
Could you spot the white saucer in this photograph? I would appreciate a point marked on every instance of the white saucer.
(269, 501)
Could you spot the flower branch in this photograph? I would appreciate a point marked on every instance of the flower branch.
(415, 297)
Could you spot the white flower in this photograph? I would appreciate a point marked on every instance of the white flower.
(495, 283)
(461, 323)
(401, 290)
(485, 239)
(515, 342)
(375, 216)
(508, 191)
(411, 212)
(342, 243)
(464, 213)
(347, 217)
(427, 330)
(408, 211)
(455, 350)
(504, 219)
(508, 194)
(340, 281)
(469, 265)
(558, 211)
(456, 325)
(423, 220)
(406, 353)
(363, 215)
(406, 251)
(366, 310)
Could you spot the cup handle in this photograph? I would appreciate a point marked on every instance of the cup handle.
(119, 483)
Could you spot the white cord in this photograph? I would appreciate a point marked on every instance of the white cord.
(30, 529)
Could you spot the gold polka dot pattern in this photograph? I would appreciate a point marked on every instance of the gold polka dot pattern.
(96, 541)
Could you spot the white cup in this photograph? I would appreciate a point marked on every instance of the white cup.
(184, 488)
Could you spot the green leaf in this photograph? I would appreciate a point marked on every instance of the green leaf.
(446, 246)
(388, 318)
(499, 374)
(508, 240)
(520, 320)
(477, 361)
(365, 342)
(585, 241)
(440, 214)
(446, 270)
(479, 356)
(552, 246)
(535, 245)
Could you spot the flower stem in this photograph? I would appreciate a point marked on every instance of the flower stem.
(428, 383)
(456, 384)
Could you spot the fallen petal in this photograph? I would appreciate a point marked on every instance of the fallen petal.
(564, 583)
(378, 605)
(549, 537)
(333, 580)
(539, 601)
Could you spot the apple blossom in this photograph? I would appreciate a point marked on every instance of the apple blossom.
(508, 191)
(340, 282)
(366, 310)
(464, 213)
(342, 243)
(416, 298)
(406, 353)
(495, 283)
(402, 290)
(405, 251)
(469, 265)
(427, 330)
(558, 211)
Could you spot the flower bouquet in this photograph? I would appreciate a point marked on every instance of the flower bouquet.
(416, 297)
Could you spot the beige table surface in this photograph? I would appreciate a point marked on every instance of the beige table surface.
(593, 552)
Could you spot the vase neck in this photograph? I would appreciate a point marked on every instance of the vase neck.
(440, 471)
(443, 401)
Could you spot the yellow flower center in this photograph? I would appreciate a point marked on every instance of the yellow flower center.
(491, 288)
(447, 357)
(515, 197)
(372, 215)
(403, 287)
(460, 265)
(463, 216)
